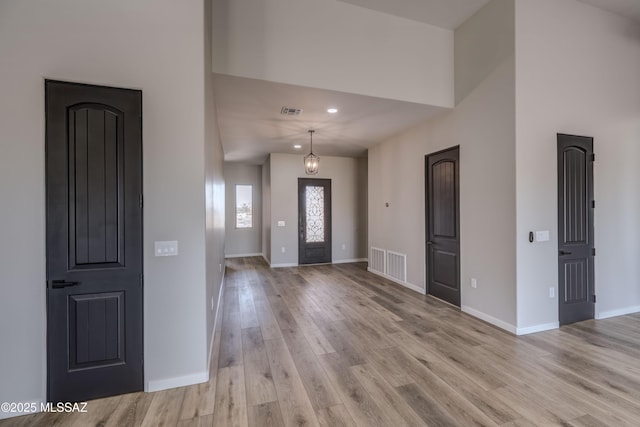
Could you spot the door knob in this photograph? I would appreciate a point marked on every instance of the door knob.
(565, 253)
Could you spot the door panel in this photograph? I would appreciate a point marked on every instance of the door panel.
(314, 217)
(575, 228)
(94, 241)
(443, 225)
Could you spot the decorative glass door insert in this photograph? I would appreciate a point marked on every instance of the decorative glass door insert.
(314, 198)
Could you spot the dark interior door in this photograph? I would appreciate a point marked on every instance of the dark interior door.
(94, 241)
(575, 229)
(314, 221)
(443, 225)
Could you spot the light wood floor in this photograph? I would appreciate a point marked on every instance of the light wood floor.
(335, 345)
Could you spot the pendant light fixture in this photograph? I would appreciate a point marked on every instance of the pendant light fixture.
(311, 161)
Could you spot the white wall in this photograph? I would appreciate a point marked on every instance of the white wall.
(243, 241)
(345, 209)
(214, 192)
(483, 125)
(578, 72)
(334, 45)
(266, 209)
(481, 43)
(155, 46)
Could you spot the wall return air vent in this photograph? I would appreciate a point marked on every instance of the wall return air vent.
(289, 111)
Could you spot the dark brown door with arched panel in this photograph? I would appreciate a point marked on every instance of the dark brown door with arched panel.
(442, 176)
(94, 241)
(575, 229)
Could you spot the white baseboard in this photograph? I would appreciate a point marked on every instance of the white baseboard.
(618, 312)
(347, 261)
(264, 257)
(167, 383)
(284, 265)
(229, 256)
(399, 282)
(37, 402)
(489, 319)
(295, 264)
(537, 328)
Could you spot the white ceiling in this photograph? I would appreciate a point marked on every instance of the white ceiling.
(251, 125)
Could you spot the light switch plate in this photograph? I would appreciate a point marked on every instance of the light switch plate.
(542, 236)
(280, 223)
(168, 248)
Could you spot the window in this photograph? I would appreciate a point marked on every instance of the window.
(244, 207)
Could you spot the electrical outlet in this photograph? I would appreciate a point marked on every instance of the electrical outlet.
(552, 292)
(344, 246)
(474, 283)
(220, 267)
(211, 302)
(283, 249)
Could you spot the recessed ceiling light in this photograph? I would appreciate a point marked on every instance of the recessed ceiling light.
(297, 146)
(332, 110)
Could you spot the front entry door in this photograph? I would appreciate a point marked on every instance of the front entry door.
(575, 229)
(94, 241)
(314, 221)
(443, 225)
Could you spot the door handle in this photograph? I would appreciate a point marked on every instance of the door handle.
(565, 253)
(59, 284)
(429, 243)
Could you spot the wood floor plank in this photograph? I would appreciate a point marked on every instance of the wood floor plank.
(268, 323)
(231, 405)
(131, 410)
(198, 401)
(258, 377)
(335, 416)
(259, 381)
(360, 405)
(248, 316)
(231, 341)
(164, 409)
(294, 402)
(203, 421)
(424, 406)
(318, 388)
(266, 415)
(385, 396)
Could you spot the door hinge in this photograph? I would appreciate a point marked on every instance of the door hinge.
(593, 204)
(594, 298)
(141, 280)
(141, 201)
(593, 157)
(593, 251)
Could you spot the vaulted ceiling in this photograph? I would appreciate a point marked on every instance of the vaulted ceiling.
(251, 125)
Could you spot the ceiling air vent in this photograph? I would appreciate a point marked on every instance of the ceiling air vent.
(288, 111)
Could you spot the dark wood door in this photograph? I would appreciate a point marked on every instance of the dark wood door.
(443, 225)
(94, 241)
(314, 221)
(575, 229)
